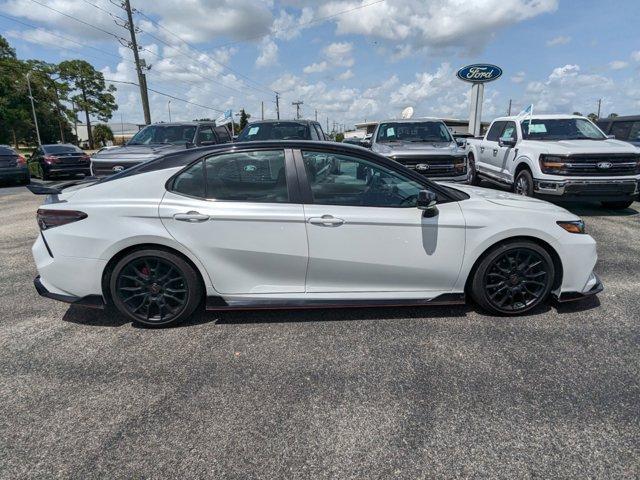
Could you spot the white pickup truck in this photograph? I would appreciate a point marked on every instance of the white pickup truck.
(556, 156)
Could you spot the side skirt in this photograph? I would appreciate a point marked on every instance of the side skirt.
(216, 303)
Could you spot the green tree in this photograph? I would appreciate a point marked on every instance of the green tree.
(577, 113)
(613, 115)
(93, 96)
(102, 134)
(244, 119)
(339, 137)
(593, 117)
(6, 50)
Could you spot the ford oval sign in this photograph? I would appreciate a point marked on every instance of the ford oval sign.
(479, 73)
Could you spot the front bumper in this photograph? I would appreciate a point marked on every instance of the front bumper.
(596, 189)
(593, 287)
(14, 173)
(92, 301)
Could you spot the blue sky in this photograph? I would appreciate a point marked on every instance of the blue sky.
(350, 60)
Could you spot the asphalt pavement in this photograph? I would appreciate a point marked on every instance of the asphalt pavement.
(440, 392)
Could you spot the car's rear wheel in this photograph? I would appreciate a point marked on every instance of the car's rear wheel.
(621, 205)
(513, 278)
(523, 184)
(155, 288)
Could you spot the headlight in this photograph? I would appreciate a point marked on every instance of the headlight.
(574, 226)
(553, 165)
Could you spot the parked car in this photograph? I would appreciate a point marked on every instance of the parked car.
(424, 145)
(282, 130)
(13, 166)
(58, 160)
(559, 157)
(154, 141)
(622, 128)
(294, 224)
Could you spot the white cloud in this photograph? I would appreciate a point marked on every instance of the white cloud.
(45, 38)
(561, 40)
(287, 26)
(346, 75)
(437, 24)
(636, 55)
(518, 77)
(618, 65)
(315, 68)
(339, 54)
(268, 54)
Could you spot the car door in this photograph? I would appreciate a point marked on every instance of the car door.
(240, 214)
(506, 154)
(489, 150)
(206, 136)
(366, 234)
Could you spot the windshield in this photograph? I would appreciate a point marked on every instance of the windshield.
(413, 132)
(561, 129)
(275, 131)
(62, 149)
(159, 134)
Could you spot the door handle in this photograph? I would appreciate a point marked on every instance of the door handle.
(495, 152)
(191, 217)
(327, 221)
(481, 149)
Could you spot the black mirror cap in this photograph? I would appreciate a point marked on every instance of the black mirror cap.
(427, 201)
(507, 142)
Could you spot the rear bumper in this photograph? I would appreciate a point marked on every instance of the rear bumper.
(93, 301)
(59, 169)
(593, 287)
(14, 172)
(581, 189)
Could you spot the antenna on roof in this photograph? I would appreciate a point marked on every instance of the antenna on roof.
(407, 113)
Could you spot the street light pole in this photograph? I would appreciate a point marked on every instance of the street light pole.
(33, 109)
(169, 107)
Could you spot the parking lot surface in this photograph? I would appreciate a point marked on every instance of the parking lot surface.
(436, 392)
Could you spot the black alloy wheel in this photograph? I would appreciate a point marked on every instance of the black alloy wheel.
(523, 184)
(514, 278)
(155, 288)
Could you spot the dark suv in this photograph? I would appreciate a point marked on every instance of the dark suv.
(623, 128)
(13, 166)
(58, 160)
(282, 130)
(156, 140)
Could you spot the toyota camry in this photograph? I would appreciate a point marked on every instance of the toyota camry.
(298, 224)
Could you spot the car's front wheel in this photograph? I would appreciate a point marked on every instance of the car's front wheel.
(523, 184)
(513, 278)
(155, 288)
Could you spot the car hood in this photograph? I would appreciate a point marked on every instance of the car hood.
(507, 199)
(566, 147)
(137, 153)
(416, 148)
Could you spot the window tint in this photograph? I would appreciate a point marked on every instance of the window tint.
(205, 134)
(6, 151)
(509, 131)
(223, 134)
(247, 176)
(157, 134)
(61, 149)
(314, 133)
(495, 131)
(626, 131)
(191, 182)
(320, 132)
(274, 131)
(346, 180)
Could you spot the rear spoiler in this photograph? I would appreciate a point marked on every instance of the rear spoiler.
(58, 187)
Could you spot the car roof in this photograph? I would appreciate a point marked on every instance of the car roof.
(412, 120)
(516, 118)
(283, 121)
(180, 124)
(627, 118)
(58, 145)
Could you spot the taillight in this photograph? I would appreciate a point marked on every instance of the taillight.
(50, 159)
(54, 218)
(21, 160)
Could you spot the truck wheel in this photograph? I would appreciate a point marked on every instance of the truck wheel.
(472, 175)
(523, 184)
(621, 205)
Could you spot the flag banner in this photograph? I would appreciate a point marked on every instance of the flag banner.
(224, 118)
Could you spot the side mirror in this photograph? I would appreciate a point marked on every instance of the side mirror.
(427, 203)
(461, 142)
(208, 142)
(366, 143)
(611, 137)
(507, 142)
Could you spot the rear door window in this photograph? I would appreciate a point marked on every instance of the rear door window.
(205, 134)
(223, 134)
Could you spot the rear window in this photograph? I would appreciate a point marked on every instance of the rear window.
(7, 151)
(275, 131)
(61, 149)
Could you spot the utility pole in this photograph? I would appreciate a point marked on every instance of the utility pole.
(142, 79)
(316, 115)
(297, 105)
(277, 105)
(327, 124)
(169, 107)
(599, 105)
(509, 109)
(262, 107)
(33, 109)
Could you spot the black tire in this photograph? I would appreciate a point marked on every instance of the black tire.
(620, 205)
(523, 184)
(504, 287)
(155, 288)
(472, 175)
(42, 174)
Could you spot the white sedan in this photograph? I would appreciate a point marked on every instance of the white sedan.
(300, 224)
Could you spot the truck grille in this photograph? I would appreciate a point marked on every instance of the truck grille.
(431, 165)
(104, 169)
(600, 165)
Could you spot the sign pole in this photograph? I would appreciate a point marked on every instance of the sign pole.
(475, 109)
